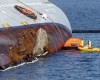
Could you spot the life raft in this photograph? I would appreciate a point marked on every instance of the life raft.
(26, 12)
(89, 49)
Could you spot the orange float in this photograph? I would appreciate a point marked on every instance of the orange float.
(26, 12)
(73, 42)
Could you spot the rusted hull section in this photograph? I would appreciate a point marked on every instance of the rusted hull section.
(17, 44)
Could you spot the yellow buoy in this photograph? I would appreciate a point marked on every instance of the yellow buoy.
(7, 24)
(3, 25)
(26, 22)
(34, 20)
(23, 23)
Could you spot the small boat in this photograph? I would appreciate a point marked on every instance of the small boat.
(26, 12)
(89, 49)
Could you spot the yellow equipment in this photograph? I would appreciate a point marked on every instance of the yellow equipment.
(89, 49)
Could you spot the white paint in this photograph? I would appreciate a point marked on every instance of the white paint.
(6, 5)
(50, 10)
(3, 11)
(2, 5)
(9, 4)
(44, 16)
(30, 3)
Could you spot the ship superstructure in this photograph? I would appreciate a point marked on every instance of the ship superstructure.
(30, 28)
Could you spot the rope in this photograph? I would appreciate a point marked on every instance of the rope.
(16, 13)
(1, 22)
(23, 17)
(9, 16)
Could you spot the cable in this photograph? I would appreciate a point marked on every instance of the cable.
(18, 20)
(15, 12)
(9, 15)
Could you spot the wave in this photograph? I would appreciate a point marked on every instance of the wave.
(33, 61)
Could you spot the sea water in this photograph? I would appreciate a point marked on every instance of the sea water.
(64, 65)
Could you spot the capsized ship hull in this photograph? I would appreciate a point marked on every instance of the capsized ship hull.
(19, 41)
(12, 38)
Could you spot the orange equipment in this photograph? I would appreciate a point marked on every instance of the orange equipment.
(73, 42)
(26, 12)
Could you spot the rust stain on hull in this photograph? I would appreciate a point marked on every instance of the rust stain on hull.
(17, 44)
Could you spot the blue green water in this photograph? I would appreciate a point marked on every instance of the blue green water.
(63, 65)
(83, 14)
(67, 65)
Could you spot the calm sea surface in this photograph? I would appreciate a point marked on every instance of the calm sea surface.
(82, 14)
